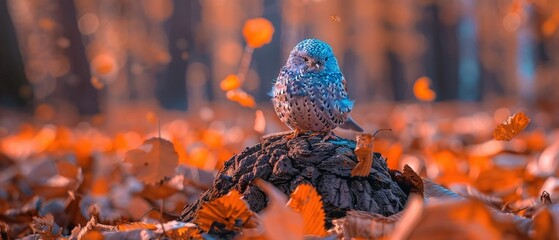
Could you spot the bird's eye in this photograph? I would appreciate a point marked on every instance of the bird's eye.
(306, 59)
(326, 59)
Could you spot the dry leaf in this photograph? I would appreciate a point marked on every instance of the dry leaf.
(258, 32)
(279, 221)
(364, 152)
(229, 210)
(360, 224)
(305, 200)
(46, 227)
(136, 225)
(410, 218)
(422, 91)
(154, 160)
(544, 227)
(511, 127)
(231, 82)
(409, 181)
(94, 235)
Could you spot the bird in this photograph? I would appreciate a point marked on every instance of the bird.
(310, 92)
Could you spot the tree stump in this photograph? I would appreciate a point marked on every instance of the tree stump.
(327, 166)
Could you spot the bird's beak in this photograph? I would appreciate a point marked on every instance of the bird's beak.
(315, 65)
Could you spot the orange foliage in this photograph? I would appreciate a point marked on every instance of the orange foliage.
(241, 97)
(229, 210)
(258, 32)
(231, 82)
(422, 91)
(305, 200)
(511, 127)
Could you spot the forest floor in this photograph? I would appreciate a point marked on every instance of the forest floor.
(64, 176)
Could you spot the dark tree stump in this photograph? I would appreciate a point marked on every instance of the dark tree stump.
(286, 163)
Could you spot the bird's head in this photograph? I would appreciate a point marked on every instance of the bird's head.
(313, 55)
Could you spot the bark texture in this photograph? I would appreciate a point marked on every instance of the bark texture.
(286, 163)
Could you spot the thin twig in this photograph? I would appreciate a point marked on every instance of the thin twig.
(88, 227)
(382, 129)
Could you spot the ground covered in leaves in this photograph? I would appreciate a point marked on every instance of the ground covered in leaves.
(94, 181)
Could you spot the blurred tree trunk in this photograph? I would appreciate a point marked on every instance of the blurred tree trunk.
(267, 60)
(171, 88)
(441, 58)
(15, 90)
(78, 89)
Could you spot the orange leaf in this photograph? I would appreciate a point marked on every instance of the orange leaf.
(241, 97)
(511, 127)
(136, 225)
(544, 226)
(422, 91)
(231, 82)
(364, 152)
(228, 210)
(258, 32)
(305, 200)
(154, 160)
(279, 221)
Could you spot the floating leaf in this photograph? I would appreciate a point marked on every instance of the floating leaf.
(364, 152)
(422, 91)
(305, 200)
(154, 160)
(229, 210)
(511, 127)
(241, 97)
(335, 18)
(258, 32)
(231, 82)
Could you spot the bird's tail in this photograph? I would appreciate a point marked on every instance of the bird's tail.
(351, 124)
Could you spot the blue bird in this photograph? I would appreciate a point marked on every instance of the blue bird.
(310, 93)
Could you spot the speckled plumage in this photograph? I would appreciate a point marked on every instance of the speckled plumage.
(310, 92)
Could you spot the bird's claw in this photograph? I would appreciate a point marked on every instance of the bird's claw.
(295, 134)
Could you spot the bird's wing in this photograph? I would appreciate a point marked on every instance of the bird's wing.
(338, 90)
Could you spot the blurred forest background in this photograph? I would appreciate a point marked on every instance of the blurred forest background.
(86, 56)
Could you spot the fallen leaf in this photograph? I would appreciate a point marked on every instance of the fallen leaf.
(136, 225)
(46, 227)
(305, 200)
(258, 32)
(154, 160)
(364, 152)
(511, 127)
(229, 210)
(544, 226)
(410, 218)
(364, 225)
(409, 181)
(279, 221)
